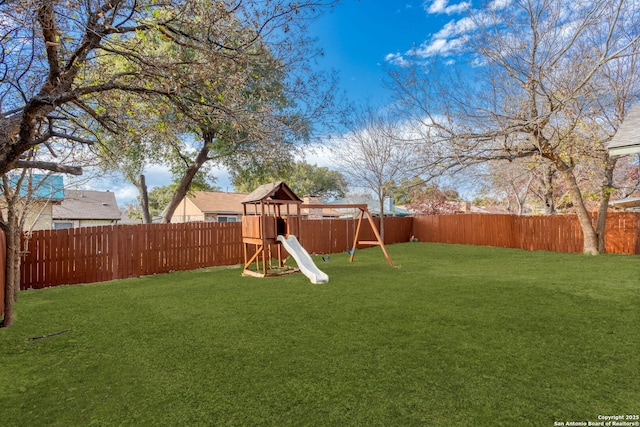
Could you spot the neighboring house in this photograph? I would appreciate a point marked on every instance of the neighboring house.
(627, 141)
(86, 208)
(629, 204)
(318, 213)
(219, 206)
(209, 206)
(627, 138)
(41, 192)
(391, 210)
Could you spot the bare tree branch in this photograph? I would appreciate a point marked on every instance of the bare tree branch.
(50, 166)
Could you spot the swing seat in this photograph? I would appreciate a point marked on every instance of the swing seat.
(327, 258)
(351, 251)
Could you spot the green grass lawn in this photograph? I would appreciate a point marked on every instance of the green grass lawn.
(455, 335)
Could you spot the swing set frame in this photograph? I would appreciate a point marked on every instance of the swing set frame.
(364, 212)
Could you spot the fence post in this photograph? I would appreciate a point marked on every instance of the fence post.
(114, 244)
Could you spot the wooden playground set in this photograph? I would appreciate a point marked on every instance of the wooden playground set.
(270, 223)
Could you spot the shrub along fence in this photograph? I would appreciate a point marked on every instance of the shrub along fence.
(96, 254)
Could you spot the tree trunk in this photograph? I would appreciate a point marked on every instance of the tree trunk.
(144, 199)
(185, 183)
(381, 217)
(547, 182)
(12, 267)
(590, 238)
(520, 204)
(15, 249)
(607, 182)
(7, 301)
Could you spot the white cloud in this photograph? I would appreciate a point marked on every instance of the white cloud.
(442, 6)
(396, 59)
(452, 38)
(448, 41)
(437, 6)
(319, 155)
(498, 4)
(125, 195)
(456, 28)
(439, 46)
(434, 47)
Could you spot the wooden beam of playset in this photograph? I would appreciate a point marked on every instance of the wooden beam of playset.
(343, 206)
(363, 209)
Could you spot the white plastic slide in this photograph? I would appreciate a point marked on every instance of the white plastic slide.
(304, 261)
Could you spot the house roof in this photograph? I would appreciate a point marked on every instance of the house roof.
(272, 192)
(87, 204)
(50, 187)
(627, 138)
(629, 203)
(217, 202)
(325, 212)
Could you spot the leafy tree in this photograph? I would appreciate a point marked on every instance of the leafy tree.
(402, 190)
(303, 178)
(63, 59)
(235, 106)
(158, 198)
(313, 180)
(512, 182)
(74, 71)
(434, 201)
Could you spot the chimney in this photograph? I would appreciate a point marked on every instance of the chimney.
(315, 213)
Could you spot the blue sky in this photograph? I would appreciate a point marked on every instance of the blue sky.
(359, 39)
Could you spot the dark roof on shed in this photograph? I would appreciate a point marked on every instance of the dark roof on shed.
(627, 138)
(275, 192)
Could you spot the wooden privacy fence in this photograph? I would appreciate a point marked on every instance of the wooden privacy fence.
(561, 233)
(336, 235)
(97, 254)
